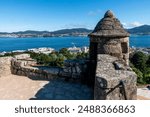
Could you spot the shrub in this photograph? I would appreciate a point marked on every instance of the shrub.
(139, 60)
(56, 58)
(139, 74)
(141, 66)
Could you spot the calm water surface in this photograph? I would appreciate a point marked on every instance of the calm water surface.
(10, 44)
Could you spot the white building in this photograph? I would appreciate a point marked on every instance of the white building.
(76, 50)
(42, 50)
(3, 53)
(85, 49)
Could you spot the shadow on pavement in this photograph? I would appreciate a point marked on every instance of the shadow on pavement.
(59, 89)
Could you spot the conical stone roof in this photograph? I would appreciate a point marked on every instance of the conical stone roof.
(109, 26)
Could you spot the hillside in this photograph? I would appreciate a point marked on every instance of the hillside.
(141, 30)
(63, 31)
(58, 33)
(31, 32)
(71, 31)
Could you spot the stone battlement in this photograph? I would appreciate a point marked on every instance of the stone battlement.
(71, 70)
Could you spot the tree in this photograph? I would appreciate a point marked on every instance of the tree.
(60, 60)
(33, 55)
(147, 75)
(141, 66)
(139, 60)
(64, 51)
(148, 61)
(82, 55)
(67, 54)
(53, 58)
(43, 59)
(139, 75)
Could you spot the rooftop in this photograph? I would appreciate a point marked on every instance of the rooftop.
(109, 26)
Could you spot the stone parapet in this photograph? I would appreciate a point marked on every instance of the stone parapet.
(71, 69)
(114, 83)
(18, 68)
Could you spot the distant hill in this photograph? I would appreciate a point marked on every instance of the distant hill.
(63, 31)
(4, 33)
(70, 31)
(141, 30)
(31, 32)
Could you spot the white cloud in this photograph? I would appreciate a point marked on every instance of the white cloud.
(93, 13)
(132, 24)
(135, 24)
(75, 26)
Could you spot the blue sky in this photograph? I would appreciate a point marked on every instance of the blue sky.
(20, 15)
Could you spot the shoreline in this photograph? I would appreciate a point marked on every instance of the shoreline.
(133, 48)
(61, 35)
(44, 50)
(45, 37)
(145, 50)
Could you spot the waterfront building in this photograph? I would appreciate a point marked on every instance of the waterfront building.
(42, 50)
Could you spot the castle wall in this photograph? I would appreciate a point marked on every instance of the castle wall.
(71, 70)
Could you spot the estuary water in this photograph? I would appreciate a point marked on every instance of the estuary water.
(11, 44)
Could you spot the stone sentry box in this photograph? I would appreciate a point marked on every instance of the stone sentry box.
(109, 37)
(109, 60)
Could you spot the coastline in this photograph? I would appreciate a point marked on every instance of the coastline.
(60, 35)
(47, 50)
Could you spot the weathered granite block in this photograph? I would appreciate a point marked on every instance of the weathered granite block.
(113, 84)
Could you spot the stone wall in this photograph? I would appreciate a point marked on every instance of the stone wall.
(71, 70)
(19, 67)
(22, 56)
(5, 65)
(74, 68)
(114, 80)
(118, 47)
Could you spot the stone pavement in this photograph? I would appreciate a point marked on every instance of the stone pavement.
(15, 87)
(64, 90)
(143, 94)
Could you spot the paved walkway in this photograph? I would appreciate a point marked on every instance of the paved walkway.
(15, 87)
(62, 90)
(22, 88)
(143, 94)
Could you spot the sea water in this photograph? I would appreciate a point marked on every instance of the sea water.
(11, 44)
